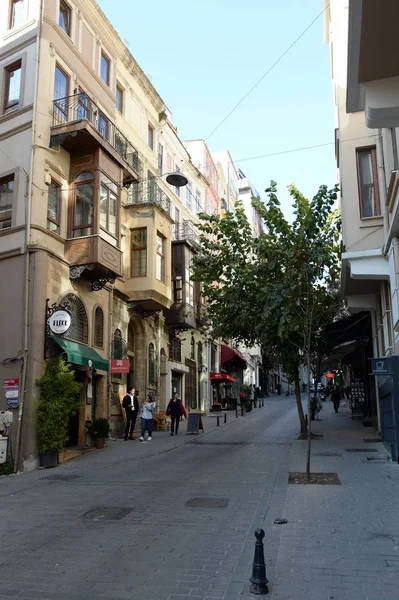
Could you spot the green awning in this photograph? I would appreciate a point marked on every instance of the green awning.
(81, 355)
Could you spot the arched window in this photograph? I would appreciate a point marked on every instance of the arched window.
(151, 364)
(130, 338)
(192, 350)
(83, 208)
(200, 360)
(79, 329)
(118, 345)
(98, 328)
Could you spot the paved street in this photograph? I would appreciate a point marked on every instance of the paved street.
(340, 541)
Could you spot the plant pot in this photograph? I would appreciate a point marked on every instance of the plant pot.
(99, 443)
(48, 459)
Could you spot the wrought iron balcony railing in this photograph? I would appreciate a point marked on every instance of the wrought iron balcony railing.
(148, 192)
(79, 107)
(185, 231)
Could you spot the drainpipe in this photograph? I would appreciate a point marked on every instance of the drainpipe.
(28, 210)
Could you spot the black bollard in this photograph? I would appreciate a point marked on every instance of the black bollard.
(225, 417)
(217, 422)
(258, 579)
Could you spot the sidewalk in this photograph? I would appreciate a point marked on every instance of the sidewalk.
(341, 541)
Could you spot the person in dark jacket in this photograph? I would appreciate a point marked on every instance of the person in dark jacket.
(336, 397)
(130, 404)
(175, 410)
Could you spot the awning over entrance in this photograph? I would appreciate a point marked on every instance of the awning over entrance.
(81, 355)
(229, 354)
(221, 377)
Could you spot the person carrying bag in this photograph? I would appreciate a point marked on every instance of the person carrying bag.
(175, 410)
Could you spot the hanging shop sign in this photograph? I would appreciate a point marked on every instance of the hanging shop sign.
(381, 366)
(12, 402)
(10, 383)
(120, 365)
(59, 322)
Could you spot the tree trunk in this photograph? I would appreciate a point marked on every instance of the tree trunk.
(309, 426)
(299, 403)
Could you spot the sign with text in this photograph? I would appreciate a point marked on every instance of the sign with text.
(59, 322)
(120, 365)
(12, 402)
(381, 366)
(10, 383)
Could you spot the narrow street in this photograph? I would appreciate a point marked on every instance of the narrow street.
(145, 542)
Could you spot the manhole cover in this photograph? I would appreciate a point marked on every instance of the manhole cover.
(327, 454)
(361, 450)
(60, 477)
(207, 503)
(372, 440)
(315, 478)
(107, 513)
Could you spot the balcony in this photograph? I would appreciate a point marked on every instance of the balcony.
(149, 193)
(185, 232)
(79, 124)
(94, 258)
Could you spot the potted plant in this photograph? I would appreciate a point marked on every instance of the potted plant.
(59, 399)
(246, 397)
(99, 430)
(315, 407)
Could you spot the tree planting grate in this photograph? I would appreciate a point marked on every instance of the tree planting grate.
(207, 503)
(315, 478)
(107, 513)
(361, 450)
(372, 440)
(327, 453)
(60, 477)
(199, 443)
(377, 459)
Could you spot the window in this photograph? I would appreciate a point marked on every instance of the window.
(6, 199)
(160, 270)
(200, 359)
(198, 202)
(177, 189)
(192, 348)
(177, 216)
(178, 290)
(17, 13)
(188, 195)
(119, 98)
(169, 163)
(105, 67)
(151, 364)
(368, 182)
(61, 88)
(79, 329)
(102, 124)
(98, 328)
(53, 207)
(108, 205)
(12, 87)
(174, 349)
(189, 289)
(64, 18)
(83, 105)
(150, 136)
(83, 209)
(160, 159)
(139, 252)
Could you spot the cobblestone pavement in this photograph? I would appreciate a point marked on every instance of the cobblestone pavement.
(340, 541)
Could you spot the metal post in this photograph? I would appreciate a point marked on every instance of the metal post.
(258, 579)
(217, 422)
(225, 417)
(236, 411)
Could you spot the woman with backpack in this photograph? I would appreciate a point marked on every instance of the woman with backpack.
(175, 410)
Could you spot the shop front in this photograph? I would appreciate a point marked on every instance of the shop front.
(223, 393)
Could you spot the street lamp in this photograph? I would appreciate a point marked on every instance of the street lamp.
(177, 179)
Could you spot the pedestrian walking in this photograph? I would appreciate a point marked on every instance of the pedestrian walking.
(336, 397)
(147, 415)
(130, 404)
(279, 389)
(175, 410)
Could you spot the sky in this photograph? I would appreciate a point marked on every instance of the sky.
(203, 57)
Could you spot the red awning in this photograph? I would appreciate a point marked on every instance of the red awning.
(229, 353)
(222, 377)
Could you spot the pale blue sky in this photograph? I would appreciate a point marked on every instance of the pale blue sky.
(204, 56)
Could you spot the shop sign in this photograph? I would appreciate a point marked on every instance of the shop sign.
(12, 393)
(12, 402)
(120, 365)
(59, 322)
(10, 383)
(381, 366)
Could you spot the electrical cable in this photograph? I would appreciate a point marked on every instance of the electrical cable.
(279, 59)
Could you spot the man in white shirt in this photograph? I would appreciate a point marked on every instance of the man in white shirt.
(131, 407)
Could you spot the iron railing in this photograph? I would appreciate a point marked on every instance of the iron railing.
(148, 192)
(80, 107)
(185, 231)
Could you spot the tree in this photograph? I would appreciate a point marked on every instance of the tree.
(276, 289)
